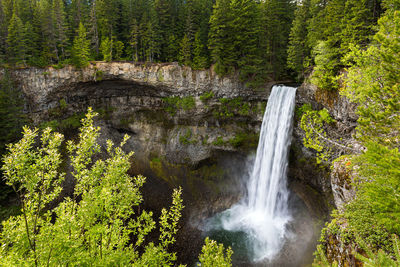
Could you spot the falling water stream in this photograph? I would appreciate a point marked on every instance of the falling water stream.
(263, 214)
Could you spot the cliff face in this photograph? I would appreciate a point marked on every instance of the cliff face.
(42, 85)
(319, 181)
(168, 108)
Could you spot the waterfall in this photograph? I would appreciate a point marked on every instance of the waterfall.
(263, 214)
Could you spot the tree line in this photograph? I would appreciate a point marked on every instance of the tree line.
(234, 34)
(262, 39)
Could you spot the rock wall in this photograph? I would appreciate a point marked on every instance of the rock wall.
(40, 85)
(322, 182)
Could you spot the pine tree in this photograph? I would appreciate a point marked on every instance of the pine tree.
(221, 42)
(80, 48)
(246, 31)
(119, 49)
(108, 12)
(276, 20)
(94, 31)
(106, 49)
(16, 48)
(298, 51)
(3, 34)
(29, 40)
(173, 48)
(185, 57)
(200, 60)
(8, 10)
(48, 31)
(60, 28)
(163, 14)
(134, 40)
(39, 48)
(358, 22)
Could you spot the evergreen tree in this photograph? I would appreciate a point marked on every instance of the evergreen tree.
(106, 49)
(221, 41)
(60, 28)
(108, 12)
(8, 10)
(3, 34)
(163, 15)
(16, 48)
(39, 48)
(298, 51)
(80, 49)
(152, 37)
(94, 31)
(246, 32)
(276, 20)
(200, 60)
(184, 52)
(119, 49)
(29, 40)
(173, 48)
(134, 40)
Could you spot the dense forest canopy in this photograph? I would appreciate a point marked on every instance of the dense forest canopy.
(262, 39)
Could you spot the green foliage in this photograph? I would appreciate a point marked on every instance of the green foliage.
(303, 109)
(378, 194)
(206, 96)
(175, 103)
(98, 75)
(244, 140)
(372, 82)
(185, 56)
(312, 123)
(16, 47)
(200, 58)
(277, 16)
(186, 139)
(327, 65)
(214, 254)
(93, 227)
(219, 141)
(119, 49)
(298, 51)
(106, 49)
(230, 107)
(381, 258)
(80, 49)
(234, 37)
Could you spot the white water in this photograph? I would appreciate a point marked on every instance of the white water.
(263, 214)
